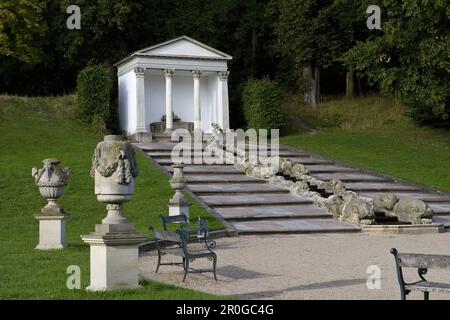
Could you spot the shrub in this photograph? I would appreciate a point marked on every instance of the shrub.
(262, 104)
(428, 112)
(93, 93)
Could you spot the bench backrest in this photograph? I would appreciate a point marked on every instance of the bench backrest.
(428, 261)
(172, 219)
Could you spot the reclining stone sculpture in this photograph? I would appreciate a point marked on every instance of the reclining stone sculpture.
(406, 209)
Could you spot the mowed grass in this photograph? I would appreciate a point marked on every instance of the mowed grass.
(33, 129)
(375, 133)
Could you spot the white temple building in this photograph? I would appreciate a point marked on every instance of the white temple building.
(180, 83)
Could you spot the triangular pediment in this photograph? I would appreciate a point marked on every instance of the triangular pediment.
(184, 47)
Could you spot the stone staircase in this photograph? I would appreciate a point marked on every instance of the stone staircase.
(252, 206)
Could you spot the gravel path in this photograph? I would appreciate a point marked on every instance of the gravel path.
(331, 266)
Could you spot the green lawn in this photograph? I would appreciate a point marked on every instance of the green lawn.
(33, 129)
(375, 133)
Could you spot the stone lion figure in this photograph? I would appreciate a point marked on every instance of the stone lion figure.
(358, 211)
(415, 211)
(348, 207)
(290, 168)
(385, 204)
(406, 209)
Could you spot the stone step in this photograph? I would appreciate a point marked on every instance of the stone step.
(167, 153)
(221, 178)
(440, 208)
(163, 146)
(273, 212)
(293, 226)
(207, 169)
(311, 160)
(320, 168)
(192, 161)
(349, 177)
(379, 186)
(229, 168)
(168, 163)
(219, 161)
(442, 219)
(158, 147)
(424, 196)
(234, 188)
(215, 201)
(305, 161)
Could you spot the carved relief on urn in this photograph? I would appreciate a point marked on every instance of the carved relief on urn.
(114, 168)
(51, 180)
(178, 180)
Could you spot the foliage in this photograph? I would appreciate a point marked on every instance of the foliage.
(261, 103)
(27, 273)
(316, 33)
(22, 29)
(425, 112)
(410, 56)
(93, 94)
(274, 38)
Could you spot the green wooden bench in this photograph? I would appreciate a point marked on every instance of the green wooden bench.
(422, 262)
(177, 244)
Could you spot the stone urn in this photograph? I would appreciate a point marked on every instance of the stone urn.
(114, 169)
(51, 180)
(178, 181)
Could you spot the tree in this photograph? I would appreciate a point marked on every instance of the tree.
(315, 35)
(308, 32)
(22, 29)
(409, 58)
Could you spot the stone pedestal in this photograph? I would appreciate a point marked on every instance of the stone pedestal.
(52, 231)
(143, 137)
(178, 205)
(114, 258)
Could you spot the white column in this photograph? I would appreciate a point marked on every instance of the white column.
(169, 108)
(222, 95)
(197, 109)
(141, 126)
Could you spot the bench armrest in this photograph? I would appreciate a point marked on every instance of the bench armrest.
(420, 271)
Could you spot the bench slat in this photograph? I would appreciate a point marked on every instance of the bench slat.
(429, 286)
(177, 218)
(167, 236)
(413, 260)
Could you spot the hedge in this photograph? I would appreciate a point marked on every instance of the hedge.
(262, 104)
(93, 93)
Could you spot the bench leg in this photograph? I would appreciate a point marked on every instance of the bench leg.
(426, 296)
(403, 293)
(159, 262)
(214, 266)
(186, 269)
